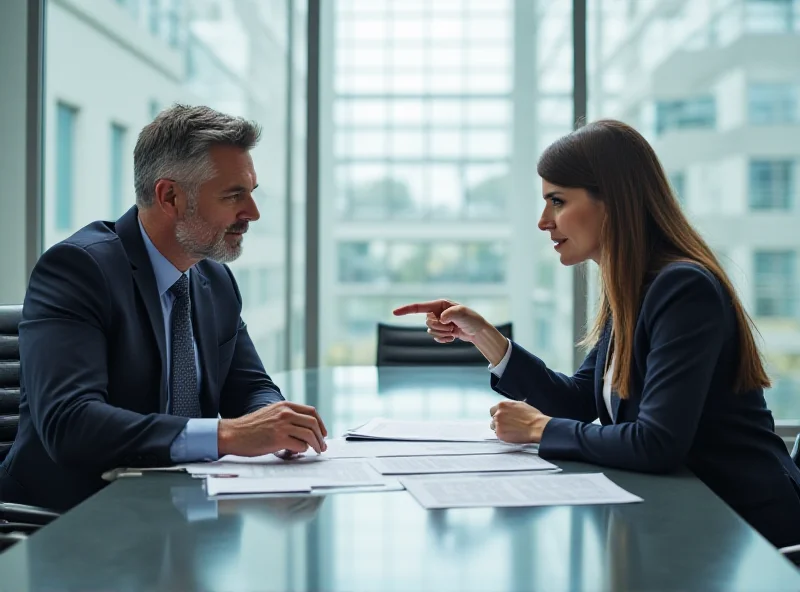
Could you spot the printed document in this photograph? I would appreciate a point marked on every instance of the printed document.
(315, 472)
(496, 491)
(432, 431)
(478, 463)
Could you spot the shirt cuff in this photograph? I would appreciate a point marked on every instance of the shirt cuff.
(501, 365)
(197, 442)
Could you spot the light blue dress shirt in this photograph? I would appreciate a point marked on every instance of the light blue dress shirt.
(198, 440)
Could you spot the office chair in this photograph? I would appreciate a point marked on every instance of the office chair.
(29, 516)
(9, 376)
(413, 346)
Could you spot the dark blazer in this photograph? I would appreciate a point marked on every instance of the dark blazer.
(92, 352)
(681, 411)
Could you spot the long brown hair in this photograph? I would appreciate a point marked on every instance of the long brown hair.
(644, 229)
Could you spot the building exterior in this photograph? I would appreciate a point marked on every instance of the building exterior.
(112, 65)
(434, 114)
(715, 86)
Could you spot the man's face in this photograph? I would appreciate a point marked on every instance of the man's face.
(216, 219)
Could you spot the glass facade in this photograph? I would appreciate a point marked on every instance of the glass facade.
(713, 85)
(66, 116)
(137, 57)
(117, 189)
(435, 117)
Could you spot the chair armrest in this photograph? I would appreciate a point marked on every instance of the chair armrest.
(10, 527)
(26, 514)
(792, 553)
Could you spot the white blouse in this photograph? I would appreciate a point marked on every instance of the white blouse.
(607, 387)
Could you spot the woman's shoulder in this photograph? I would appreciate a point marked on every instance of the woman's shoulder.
(686, 281)
(685, 271)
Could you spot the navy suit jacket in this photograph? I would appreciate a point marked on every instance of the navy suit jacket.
(682, 410)
(92, 352)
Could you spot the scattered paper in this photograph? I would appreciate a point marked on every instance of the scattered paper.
(517, 491)
(431, 431)
(415, 465)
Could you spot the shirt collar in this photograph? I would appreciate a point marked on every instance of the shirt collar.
(166, 273)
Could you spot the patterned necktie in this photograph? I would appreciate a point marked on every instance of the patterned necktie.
(183, 372)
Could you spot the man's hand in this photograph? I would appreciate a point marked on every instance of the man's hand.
(518, 422)
(280, 426)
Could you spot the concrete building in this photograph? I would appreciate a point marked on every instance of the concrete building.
(715, 86)
(112, 65)
(434, 114)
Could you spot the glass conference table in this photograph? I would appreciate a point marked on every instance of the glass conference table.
(160, 532)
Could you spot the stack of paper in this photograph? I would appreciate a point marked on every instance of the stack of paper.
(287, 476)
(430, 431)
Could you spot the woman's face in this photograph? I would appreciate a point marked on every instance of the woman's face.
(574, 219)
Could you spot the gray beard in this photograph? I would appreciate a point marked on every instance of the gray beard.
(200, 240)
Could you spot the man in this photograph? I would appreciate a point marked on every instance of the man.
(131, 342)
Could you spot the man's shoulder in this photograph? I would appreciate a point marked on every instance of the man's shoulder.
(96, 245)
(98, 236)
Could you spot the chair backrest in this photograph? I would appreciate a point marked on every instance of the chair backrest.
(413, 346)
(10, 317)
(796, 451)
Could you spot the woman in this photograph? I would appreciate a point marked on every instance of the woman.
(675, 375)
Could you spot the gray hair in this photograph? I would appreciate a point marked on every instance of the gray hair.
(175, 146)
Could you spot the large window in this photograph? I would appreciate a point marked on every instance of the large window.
(65, 165)
(771, 184)
(773, 103)
(136, 57)
(436, 115)
(693, 113)
(118, 191)
(775, 276)
(721, 79)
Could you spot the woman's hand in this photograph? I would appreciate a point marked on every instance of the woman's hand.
(447, 320)
(518, 422)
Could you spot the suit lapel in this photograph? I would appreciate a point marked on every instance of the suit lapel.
(599, 375)
(615, 403)
(204, 325)
(129, 233)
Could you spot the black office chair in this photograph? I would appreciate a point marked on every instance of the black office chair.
(792, 553)
(413, 346)
(10, 317)
(16, 520)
